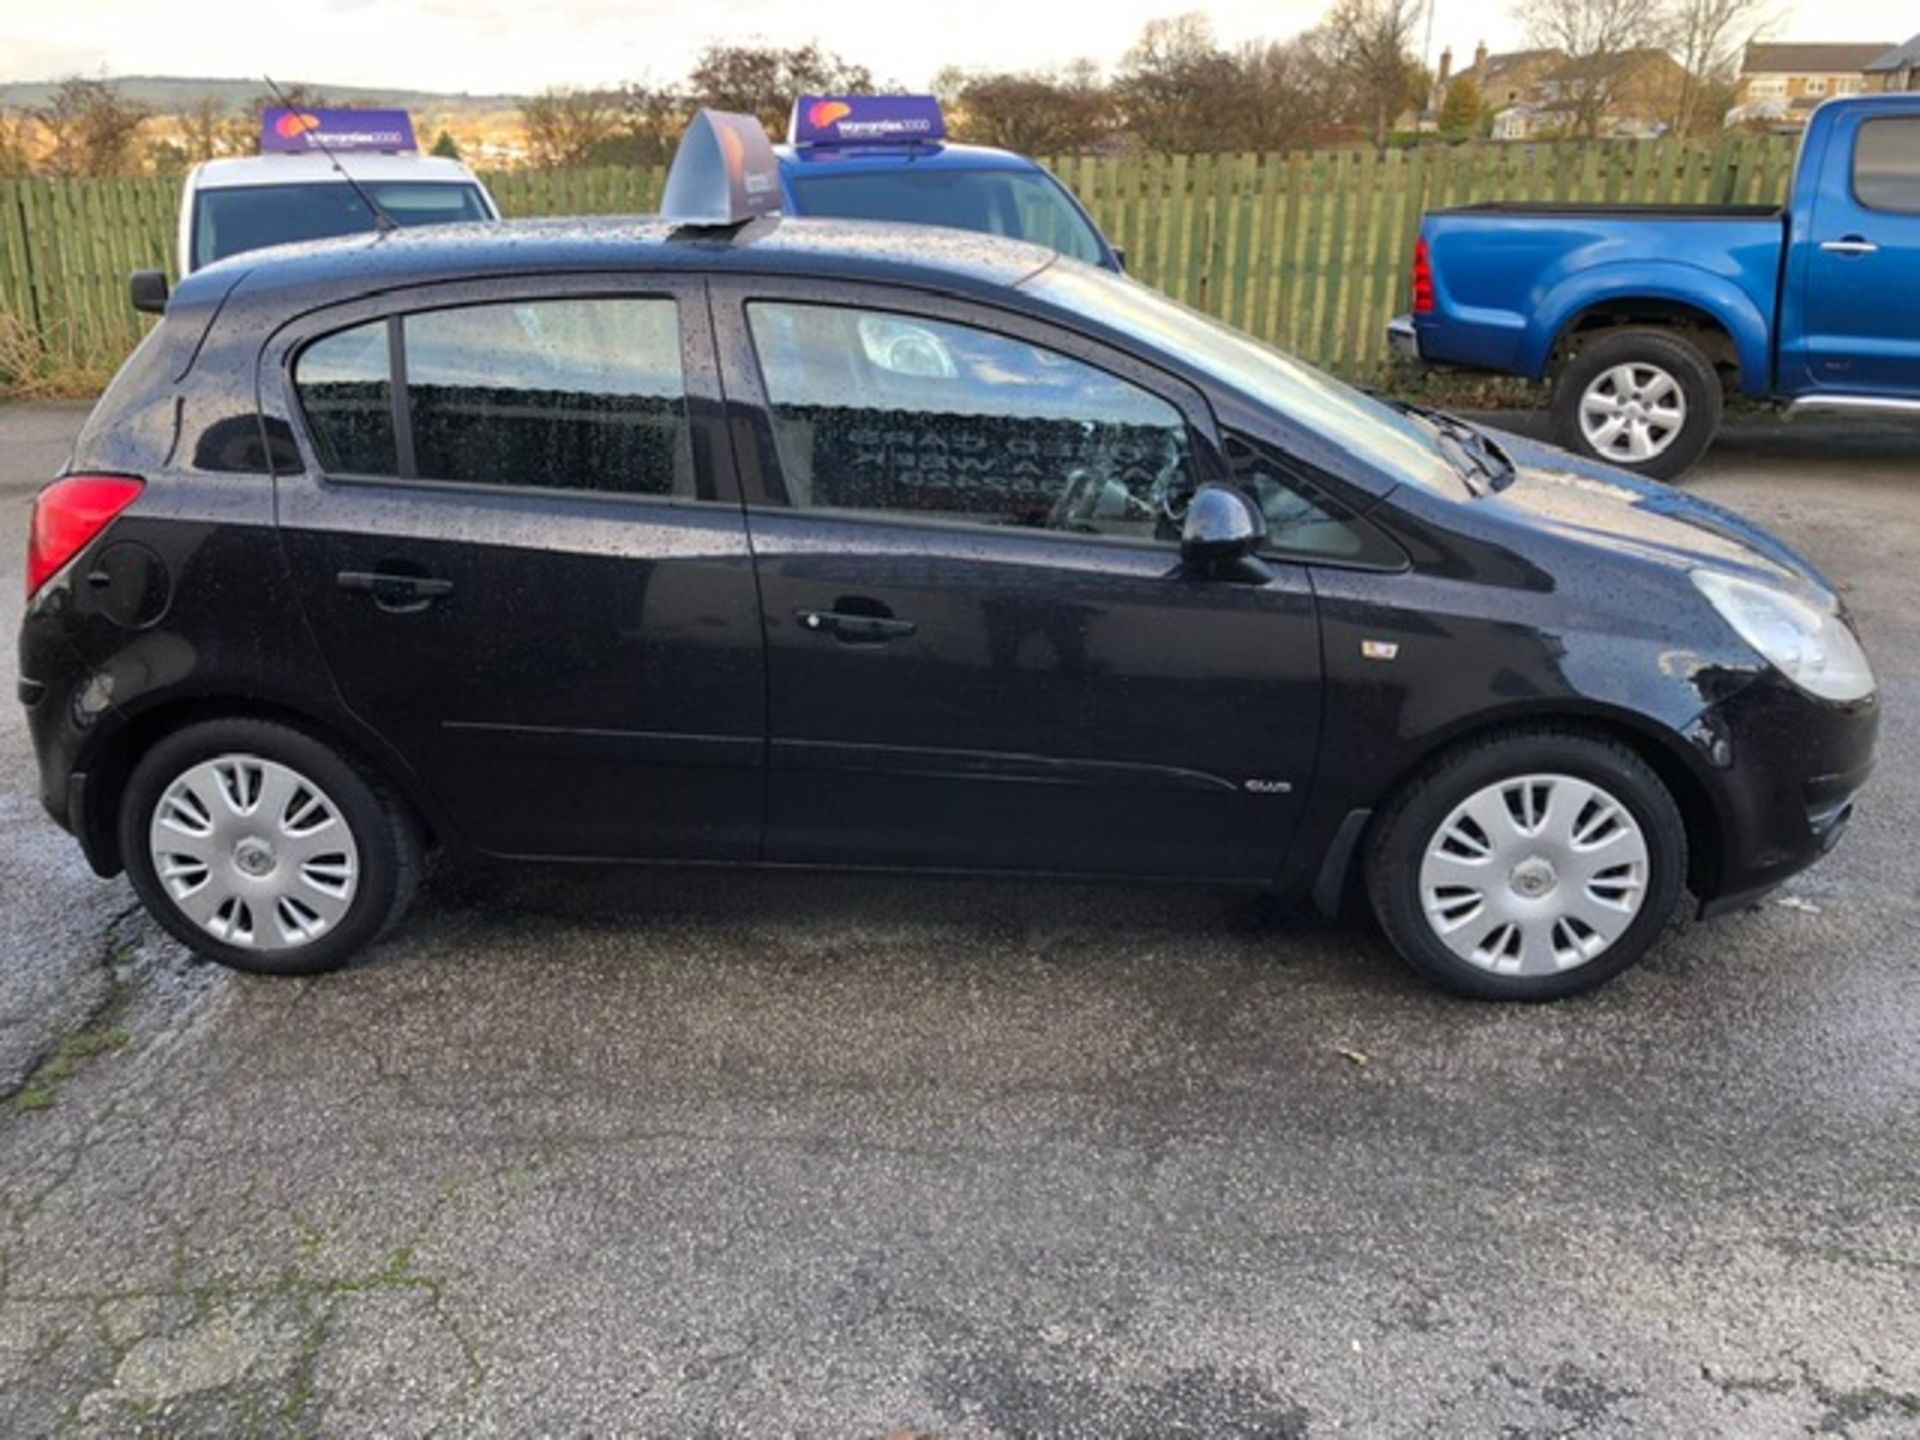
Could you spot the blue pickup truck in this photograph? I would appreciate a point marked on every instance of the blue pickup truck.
(1644, 318)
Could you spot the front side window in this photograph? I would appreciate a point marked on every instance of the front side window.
(901, 416)
(575, 394)
(1886, 165)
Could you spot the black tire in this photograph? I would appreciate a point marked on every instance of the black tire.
(1401, 835)
(1665, 350)
(384, 833)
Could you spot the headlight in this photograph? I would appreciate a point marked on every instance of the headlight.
(1807, 642)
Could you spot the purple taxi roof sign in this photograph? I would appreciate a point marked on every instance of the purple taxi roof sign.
(286, 131)
(865, 120)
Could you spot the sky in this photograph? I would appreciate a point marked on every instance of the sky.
(525, 45)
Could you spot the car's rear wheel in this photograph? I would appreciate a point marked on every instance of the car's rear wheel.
(261, 847)
(1648, 401)
(1529, 865)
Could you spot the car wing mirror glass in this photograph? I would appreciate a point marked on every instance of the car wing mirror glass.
(148, 291)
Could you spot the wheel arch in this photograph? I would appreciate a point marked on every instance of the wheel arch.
(1663, 752)
(1708, 309)
(111, 763)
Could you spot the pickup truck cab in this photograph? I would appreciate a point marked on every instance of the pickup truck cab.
(1644, 318)
(298, 186)
(886, 157)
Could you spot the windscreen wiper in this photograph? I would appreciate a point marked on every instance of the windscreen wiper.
(1477, 452)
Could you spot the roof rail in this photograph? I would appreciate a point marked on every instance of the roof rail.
(724, 173)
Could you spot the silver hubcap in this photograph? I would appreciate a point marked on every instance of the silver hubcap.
(1632, 413)
(1534, 875)
(254, 853)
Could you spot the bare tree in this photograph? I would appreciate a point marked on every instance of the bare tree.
(91, 129)
(1037, 114)
(764, 79)
(564, 126)
(1284, 91)
(1171, 85)
(206, 130)
(1708, 38)
(1594, 35)
(1372, 43)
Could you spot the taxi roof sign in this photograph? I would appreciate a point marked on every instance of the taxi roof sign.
(724, 172)
(298, 131)
(866, 120)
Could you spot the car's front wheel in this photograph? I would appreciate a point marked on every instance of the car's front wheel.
(1529, 865)
(261, 847)
(1646, 400)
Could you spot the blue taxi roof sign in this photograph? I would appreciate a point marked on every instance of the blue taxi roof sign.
(724, 172)
(866, 120)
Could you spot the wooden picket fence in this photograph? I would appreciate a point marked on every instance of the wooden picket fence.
(1308, 249)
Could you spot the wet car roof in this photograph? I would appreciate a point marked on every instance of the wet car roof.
(823, 248)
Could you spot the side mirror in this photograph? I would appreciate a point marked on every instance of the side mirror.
(1119, 255)
(148, 291)
(1223, 528)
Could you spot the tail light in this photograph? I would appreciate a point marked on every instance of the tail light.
(1423, 299)
(66, 517)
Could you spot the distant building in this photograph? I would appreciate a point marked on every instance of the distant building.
(1507, 79)
(1898, 69)
(1781, 84)
(1638, 92)
(1519, 122)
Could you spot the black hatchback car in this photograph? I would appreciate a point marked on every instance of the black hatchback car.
(824, 543)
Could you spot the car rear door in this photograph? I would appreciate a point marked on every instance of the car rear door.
(521, 562)
(983, 651)
(1861, 267)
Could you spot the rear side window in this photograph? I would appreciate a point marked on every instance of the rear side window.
(585, 394)
(1886, 165)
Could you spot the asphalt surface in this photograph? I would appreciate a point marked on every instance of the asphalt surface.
(669, 1154)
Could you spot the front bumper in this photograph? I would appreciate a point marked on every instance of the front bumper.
(1789, 770)
(1403, 339)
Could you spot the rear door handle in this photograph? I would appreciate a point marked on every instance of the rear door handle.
(868, 629)
(393, 591)
(1852, 245)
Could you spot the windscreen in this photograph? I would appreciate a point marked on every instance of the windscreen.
(1015, 203)
(227, 222)
(1398, 444)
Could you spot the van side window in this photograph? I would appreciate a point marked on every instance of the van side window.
(346, 386)
(936, 422)
(1886, 165)
(565, 394)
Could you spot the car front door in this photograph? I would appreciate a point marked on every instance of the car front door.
(983, 650)
(1862, 259)
(521, 564)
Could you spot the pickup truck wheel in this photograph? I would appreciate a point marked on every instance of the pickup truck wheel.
(1648, 401)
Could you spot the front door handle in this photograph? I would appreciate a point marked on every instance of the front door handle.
(1851, 245)
(854, 628)
(393, 590)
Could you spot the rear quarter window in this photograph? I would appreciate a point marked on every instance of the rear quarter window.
(1886, 165)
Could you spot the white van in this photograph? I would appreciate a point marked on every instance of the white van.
(279, 197)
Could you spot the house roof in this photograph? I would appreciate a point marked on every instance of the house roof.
(1615, 64)
(1811, 59)
(1513, 60)
(1899, 58)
